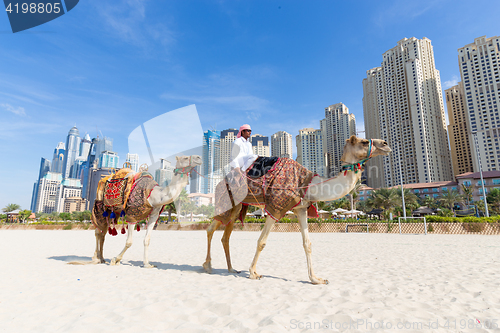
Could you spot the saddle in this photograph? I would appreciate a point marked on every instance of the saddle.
(115, 189)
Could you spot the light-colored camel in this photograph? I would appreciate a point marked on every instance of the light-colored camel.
(158, 198)
(356, 151)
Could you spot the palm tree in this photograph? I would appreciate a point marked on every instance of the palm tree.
(429, 202)
(10, 208)
(468, 190)
(386, 198)
(411, 200)
(449, 198)
(493, 199)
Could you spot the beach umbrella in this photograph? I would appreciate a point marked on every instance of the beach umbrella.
(339, 210)
(290, 212)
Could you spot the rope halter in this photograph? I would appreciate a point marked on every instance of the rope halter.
(185, 170)
(360, 164)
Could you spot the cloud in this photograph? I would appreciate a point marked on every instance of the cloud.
(127, 20)
(17, 111)
(403, 10)
(450, 83)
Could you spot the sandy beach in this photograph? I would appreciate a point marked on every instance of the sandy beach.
(378, 282)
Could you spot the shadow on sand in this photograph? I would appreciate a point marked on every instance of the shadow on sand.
(165, 266)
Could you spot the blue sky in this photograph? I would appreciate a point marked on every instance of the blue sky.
(110, 66)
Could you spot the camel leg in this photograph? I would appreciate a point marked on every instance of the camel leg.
(225, 243)
(151, 224)
(302, 216)
(128, 243)
(261, 243)
(99, 242)
(210, 233)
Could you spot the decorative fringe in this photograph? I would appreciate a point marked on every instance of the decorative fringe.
(123, 230)
(105, 214)
(113, 215)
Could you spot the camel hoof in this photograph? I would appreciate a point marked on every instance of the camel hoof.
(255, 276)
(207, 267)
(232, 270)
(114, 262)
(149, 266)
(319, 281)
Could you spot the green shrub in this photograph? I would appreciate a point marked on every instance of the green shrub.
(68, 226)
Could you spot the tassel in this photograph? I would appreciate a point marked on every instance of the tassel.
(122, 214)
(123, 230)
(110, 231)
(345, 173)
(113, 215)
(105, 214)
(138, 228)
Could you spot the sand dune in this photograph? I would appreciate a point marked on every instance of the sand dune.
(378, 282)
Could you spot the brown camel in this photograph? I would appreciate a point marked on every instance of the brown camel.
(356, 152)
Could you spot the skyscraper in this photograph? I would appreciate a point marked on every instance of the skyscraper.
(85, 145)
(338, 126)
(44, 169)
(68, 188)
(133, 159)
(260, 145)
(103, 144)
(211, 162)
(163, 175)
(47, 192)
(281, 144)
(226, 142)
(403, 104)
(458, 130)
(310, 150)
(58, 158)
(109, 159)
(480, 74)
(72, 152)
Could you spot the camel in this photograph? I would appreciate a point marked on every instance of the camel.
(153, 204)
(357, 152)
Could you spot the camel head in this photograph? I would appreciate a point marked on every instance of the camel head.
(187, 161)
(357, 149)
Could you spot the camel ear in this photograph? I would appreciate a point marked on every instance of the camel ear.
(177, 158)
(353, 139)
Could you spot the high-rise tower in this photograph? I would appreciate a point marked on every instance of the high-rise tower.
(403, 104)
(480, 73)
(260, 145)
(226, 142)
(458, 130)
(281, 144)
(211, 161)
(310, 150)
(339, 125)
(72, 152)
(58, 158)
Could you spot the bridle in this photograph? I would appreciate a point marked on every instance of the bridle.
(185, 170)
(360, 164)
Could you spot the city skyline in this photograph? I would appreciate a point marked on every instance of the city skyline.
(112, 66)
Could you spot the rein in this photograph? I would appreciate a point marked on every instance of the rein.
(360, 164)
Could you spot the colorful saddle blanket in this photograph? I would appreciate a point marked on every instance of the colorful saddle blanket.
(279, 190)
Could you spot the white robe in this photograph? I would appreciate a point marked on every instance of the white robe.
(242, 154)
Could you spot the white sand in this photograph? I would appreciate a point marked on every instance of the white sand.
(411, 280)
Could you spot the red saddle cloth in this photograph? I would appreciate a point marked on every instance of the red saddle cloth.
(114, 192)
(279, 190)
